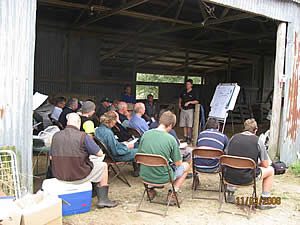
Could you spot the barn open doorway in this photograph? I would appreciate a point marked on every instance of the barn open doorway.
(96, 47)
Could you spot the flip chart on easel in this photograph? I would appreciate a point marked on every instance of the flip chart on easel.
(224, 100)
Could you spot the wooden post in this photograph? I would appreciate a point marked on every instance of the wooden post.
(276, 108)
(196, 124)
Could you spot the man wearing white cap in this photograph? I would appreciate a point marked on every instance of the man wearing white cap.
(70, 151)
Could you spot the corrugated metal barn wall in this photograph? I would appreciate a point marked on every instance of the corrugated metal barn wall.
(17, 42)
(52, 66)
(288, 11)
(290, 135)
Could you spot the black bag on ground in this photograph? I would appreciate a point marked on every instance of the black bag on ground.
(279, 167)
(49, 174)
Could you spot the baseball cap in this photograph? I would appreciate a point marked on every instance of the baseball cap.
(89, 127)
(106, 99)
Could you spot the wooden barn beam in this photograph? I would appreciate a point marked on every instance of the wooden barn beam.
(155, 57)
(224, 67)
(149, 43)
(202, 10)
(200, 24)
(81, 13)
(204, 58)
(138, 15)
(128, 13)
(224, 13)
(134, 37)
(112, 12)
(277, 93)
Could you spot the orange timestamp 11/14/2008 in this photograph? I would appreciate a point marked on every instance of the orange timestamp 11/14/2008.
(258, 200)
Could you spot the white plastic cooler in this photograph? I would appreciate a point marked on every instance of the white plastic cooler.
(78, 195)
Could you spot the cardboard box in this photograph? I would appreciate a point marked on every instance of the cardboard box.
(40, 209)
(10, 214)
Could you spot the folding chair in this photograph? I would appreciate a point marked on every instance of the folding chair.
(115, 129)
(237, 163)
(134, 132)
(207, 153)
(112, 163)
(154, 161)
(55, 122)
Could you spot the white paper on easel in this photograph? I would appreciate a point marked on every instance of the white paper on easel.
(38, 99)
(218, 112)
(234, 98)
(223, 100)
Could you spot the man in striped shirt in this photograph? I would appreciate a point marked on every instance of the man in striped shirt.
(213, 138)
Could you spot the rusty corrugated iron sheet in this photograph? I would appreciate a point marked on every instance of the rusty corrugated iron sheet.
(293, 118)
(280, 9)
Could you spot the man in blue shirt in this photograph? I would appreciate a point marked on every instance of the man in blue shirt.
(213, 138)
(137, 122)
(127, 97)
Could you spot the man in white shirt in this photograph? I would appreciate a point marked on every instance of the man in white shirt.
(59, 105)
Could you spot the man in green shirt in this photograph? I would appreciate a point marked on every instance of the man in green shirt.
(159, 142)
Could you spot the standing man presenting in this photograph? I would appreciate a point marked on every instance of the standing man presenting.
(187, 102)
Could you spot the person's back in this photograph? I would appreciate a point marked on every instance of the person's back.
(69, 154)
(247, 144)
(69, 161)
(164, 145)
(211, 138)
(60, 104)
(160, 142)
(243, 145)
(71, 106)
(137, 122)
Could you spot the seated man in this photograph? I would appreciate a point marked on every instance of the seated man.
(123, 152)
(210, 137)
(247, 144)
(88, 119)
(123, 112)
(156, 124)
(70, 151)
(151, 109)
(137, 122)
(71, 106)
(127, 96)
(59, 105)
(114, 105)
(120, 131)
(103, 107)
(159, 142)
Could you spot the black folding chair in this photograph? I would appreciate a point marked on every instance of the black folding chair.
(134, 132)
(112, 164)
(206, 153)
(236, 163)
(154, 161)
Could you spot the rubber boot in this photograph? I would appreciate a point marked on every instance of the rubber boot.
(136, 171)
(103, 201)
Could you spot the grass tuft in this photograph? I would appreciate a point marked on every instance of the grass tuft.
(295, 168)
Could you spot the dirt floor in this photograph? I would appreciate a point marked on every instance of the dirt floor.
(195, 211)
(192, 211)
